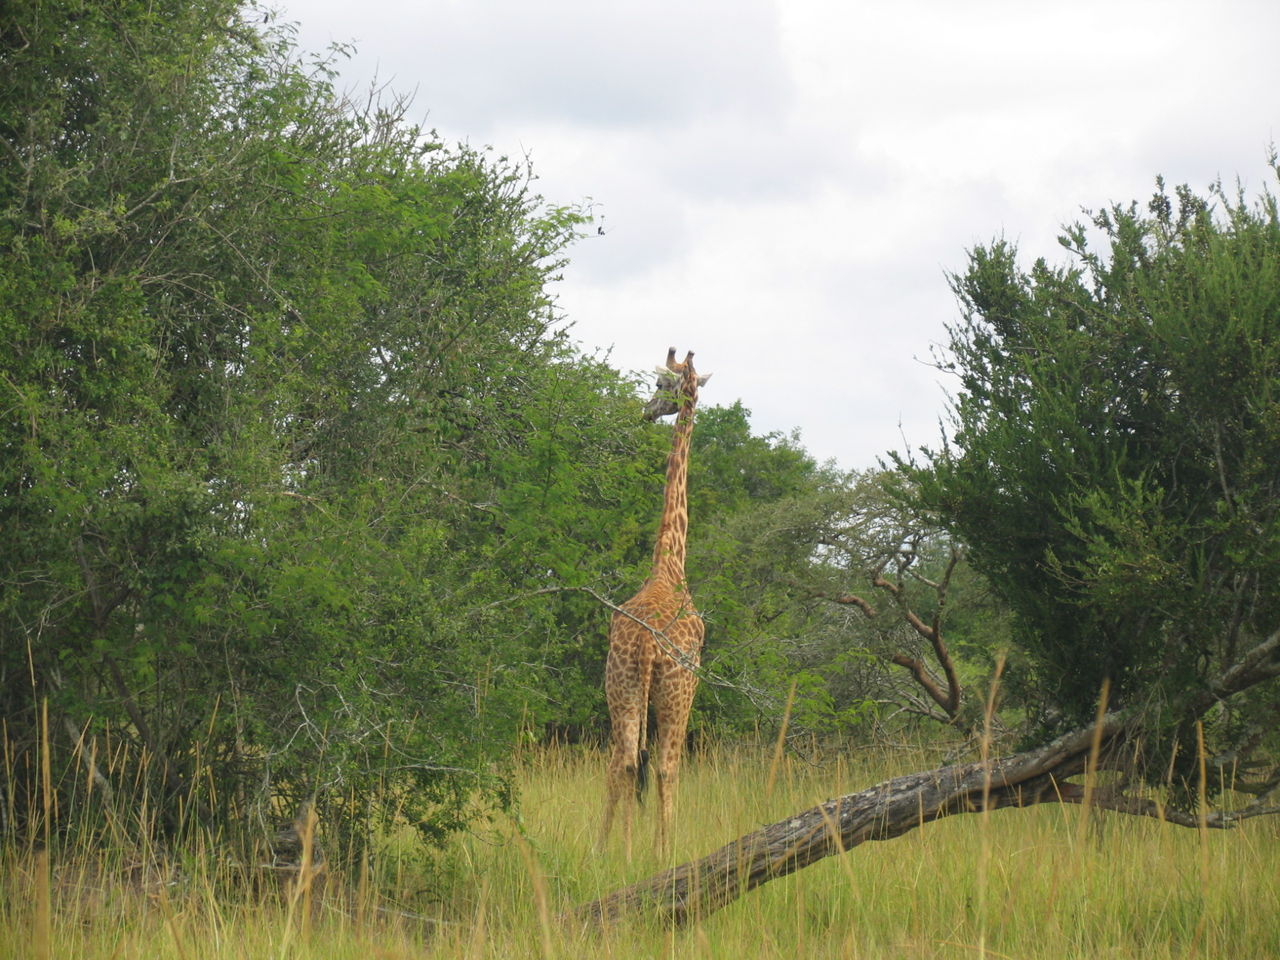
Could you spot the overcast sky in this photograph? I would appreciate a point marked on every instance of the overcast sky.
(785, 185)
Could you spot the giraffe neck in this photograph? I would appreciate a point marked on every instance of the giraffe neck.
(673, 530)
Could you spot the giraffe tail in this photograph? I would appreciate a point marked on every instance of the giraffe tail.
(642, 750)
(642, 774)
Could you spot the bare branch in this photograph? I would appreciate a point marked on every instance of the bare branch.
(947, 699)
(1258, 664)
(665, 643)
(847, 599)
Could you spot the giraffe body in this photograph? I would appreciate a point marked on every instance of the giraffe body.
(655, 640)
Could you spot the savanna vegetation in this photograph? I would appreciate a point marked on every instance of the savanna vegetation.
(1044, 883)
(312, 509)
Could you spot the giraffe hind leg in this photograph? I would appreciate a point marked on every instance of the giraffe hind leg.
(673, 704)
(628, 674)
(621, 783)
(625, 760)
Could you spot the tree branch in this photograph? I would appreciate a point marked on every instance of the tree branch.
(1258, 664)
(948, 698)
(665, 644)
(848, 599)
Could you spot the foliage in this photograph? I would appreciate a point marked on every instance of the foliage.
(303, 486)
(284, 407)
(760, 507)
(1112, 462)
(776, 539)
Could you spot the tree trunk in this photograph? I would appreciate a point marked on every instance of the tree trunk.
(694, 890)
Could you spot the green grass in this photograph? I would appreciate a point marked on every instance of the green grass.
(1014, 883)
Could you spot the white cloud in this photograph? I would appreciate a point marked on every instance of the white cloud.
(482, 64)
(784, 185)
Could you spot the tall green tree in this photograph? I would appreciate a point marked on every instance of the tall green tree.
(1112, 462)
(303, 489)
(269, 361)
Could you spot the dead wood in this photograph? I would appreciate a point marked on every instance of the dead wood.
(693, 890)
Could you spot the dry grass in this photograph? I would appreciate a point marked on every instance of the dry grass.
(1018, 883)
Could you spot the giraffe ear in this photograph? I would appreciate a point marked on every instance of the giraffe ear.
(703, 378)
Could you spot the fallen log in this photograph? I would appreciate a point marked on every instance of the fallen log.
(693, 890)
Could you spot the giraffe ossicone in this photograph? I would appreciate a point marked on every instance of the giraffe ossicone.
(655, 642)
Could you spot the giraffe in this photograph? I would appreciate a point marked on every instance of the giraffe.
(655, 638)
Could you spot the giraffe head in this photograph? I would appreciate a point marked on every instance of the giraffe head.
(677, 386)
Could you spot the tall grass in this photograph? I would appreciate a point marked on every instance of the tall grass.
(1016, 883)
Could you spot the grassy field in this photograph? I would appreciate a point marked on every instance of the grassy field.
(1051, 882)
